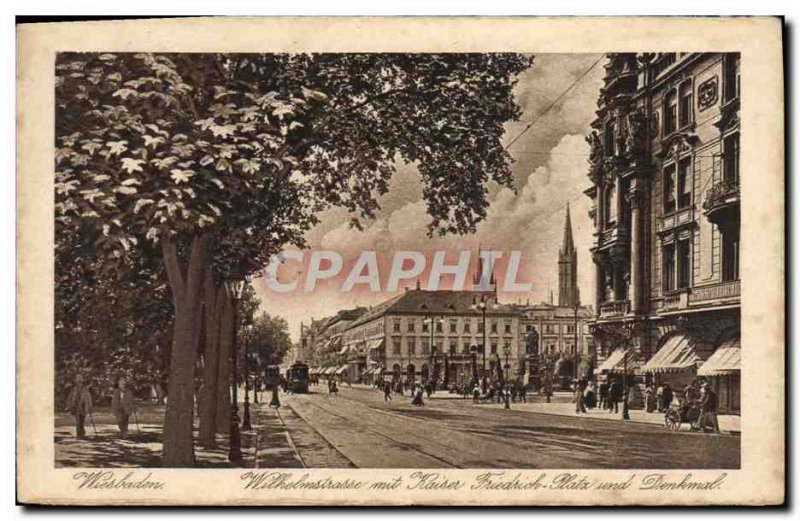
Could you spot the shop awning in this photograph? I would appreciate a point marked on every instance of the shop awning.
(618, 360)
(727, 359)
(340, 370)
(374, 345)
(677, 354)
(329, 370)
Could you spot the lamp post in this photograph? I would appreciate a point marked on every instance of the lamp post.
(576, 355)
(235, 444)
(482, 305)
(506, 351)
(625, 414)
(473, 353)
(246, 425)
(431, 322)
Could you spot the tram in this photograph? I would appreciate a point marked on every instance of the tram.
(272, 377)
(297, 378)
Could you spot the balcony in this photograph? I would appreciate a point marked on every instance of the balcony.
(675, 301)
(614, 308)
(613, 235)
(716, 293)
(721, 205)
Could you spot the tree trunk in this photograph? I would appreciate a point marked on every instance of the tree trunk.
(225, 366)
(214, 298)
(187, 293)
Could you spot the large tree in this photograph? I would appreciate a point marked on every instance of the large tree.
(216, 161)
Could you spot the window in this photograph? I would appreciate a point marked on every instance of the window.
(685, 183)
(480, 327)
(610, 137)
(508, 328)
(453, 326)
(685, 109)
(412, 347)
(410, 325)
(426, 347)
(494, 348)
(570, 328)
(439, 326)
(396, 347)
(670, 113)
(425, 326)
(668, 267)
(397, 326)
(494, 326)
(466, 326)
(684, 264)
(730, 254)
(731, 73)
(453, 347)
(730, 159)
(669, 188)
(610, 207)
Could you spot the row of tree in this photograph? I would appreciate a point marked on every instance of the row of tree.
(187, 172)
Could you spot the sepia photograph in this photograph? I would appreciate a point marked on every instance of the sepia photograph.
(525, 265)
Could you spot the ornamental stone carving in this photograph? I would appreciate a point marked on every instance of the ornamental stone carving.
(636, 139)
(707, 93)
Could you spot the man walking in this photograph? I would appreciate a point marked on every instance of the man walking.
(79, 403)
(122, 405)
(614, 396)
(603, 392)
(578, 397)
(387, 392)
(708, 409)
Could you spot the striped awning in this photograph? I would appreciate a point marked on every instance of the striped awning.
(374, 345)
(340, 370)
(727, 359)
(618, 360)
(329, 370)
(677, 354)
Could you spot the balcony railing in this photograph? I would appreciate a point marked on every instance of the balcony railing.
(614, 308)
(723, 193)
(676, 300)
(722, 291)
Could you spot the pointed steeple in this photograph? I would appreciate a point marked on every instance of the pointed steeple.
(567, 245)
(568, 268)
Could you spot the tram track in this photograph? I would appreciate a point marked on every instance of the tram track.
(349, 420)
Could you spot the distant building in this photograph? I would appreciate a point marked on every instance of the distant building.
(560, 332)
(321, 340)
(665, 186)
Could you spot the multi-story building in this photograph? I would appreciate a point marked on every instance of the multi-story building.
(419, 333)
(665, 185)
(321, 340)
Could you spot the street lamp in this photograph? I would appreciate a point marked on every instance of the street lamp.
(625, 414)
(506, 351)
(482, 305)
(575, 347)
(246, 425)
(431, 322)
(235, 445)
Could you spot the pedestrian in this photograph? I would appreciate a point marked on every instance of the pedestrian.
(523, 389)
(660, 398)
(649, 398)
(79, 403)
(387, 392)
(578, 397)
(666, 397)
(708, 409)
(428, 389)
(603, 392)
(590, 396)
(122, 405)
(417, 392)
(614, 396)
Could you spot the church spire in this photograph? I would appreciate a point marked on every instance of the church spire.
(567, 245)
(568, 268)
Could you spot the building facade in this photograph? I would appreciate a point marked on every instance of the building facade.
(664, 168)
(421, 335)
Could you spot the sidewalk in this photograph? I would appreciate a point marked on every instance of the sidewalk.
(728, 424)
(275, 447)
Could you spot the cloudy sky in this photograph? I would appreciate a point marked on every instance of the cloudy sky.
(549, 172)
